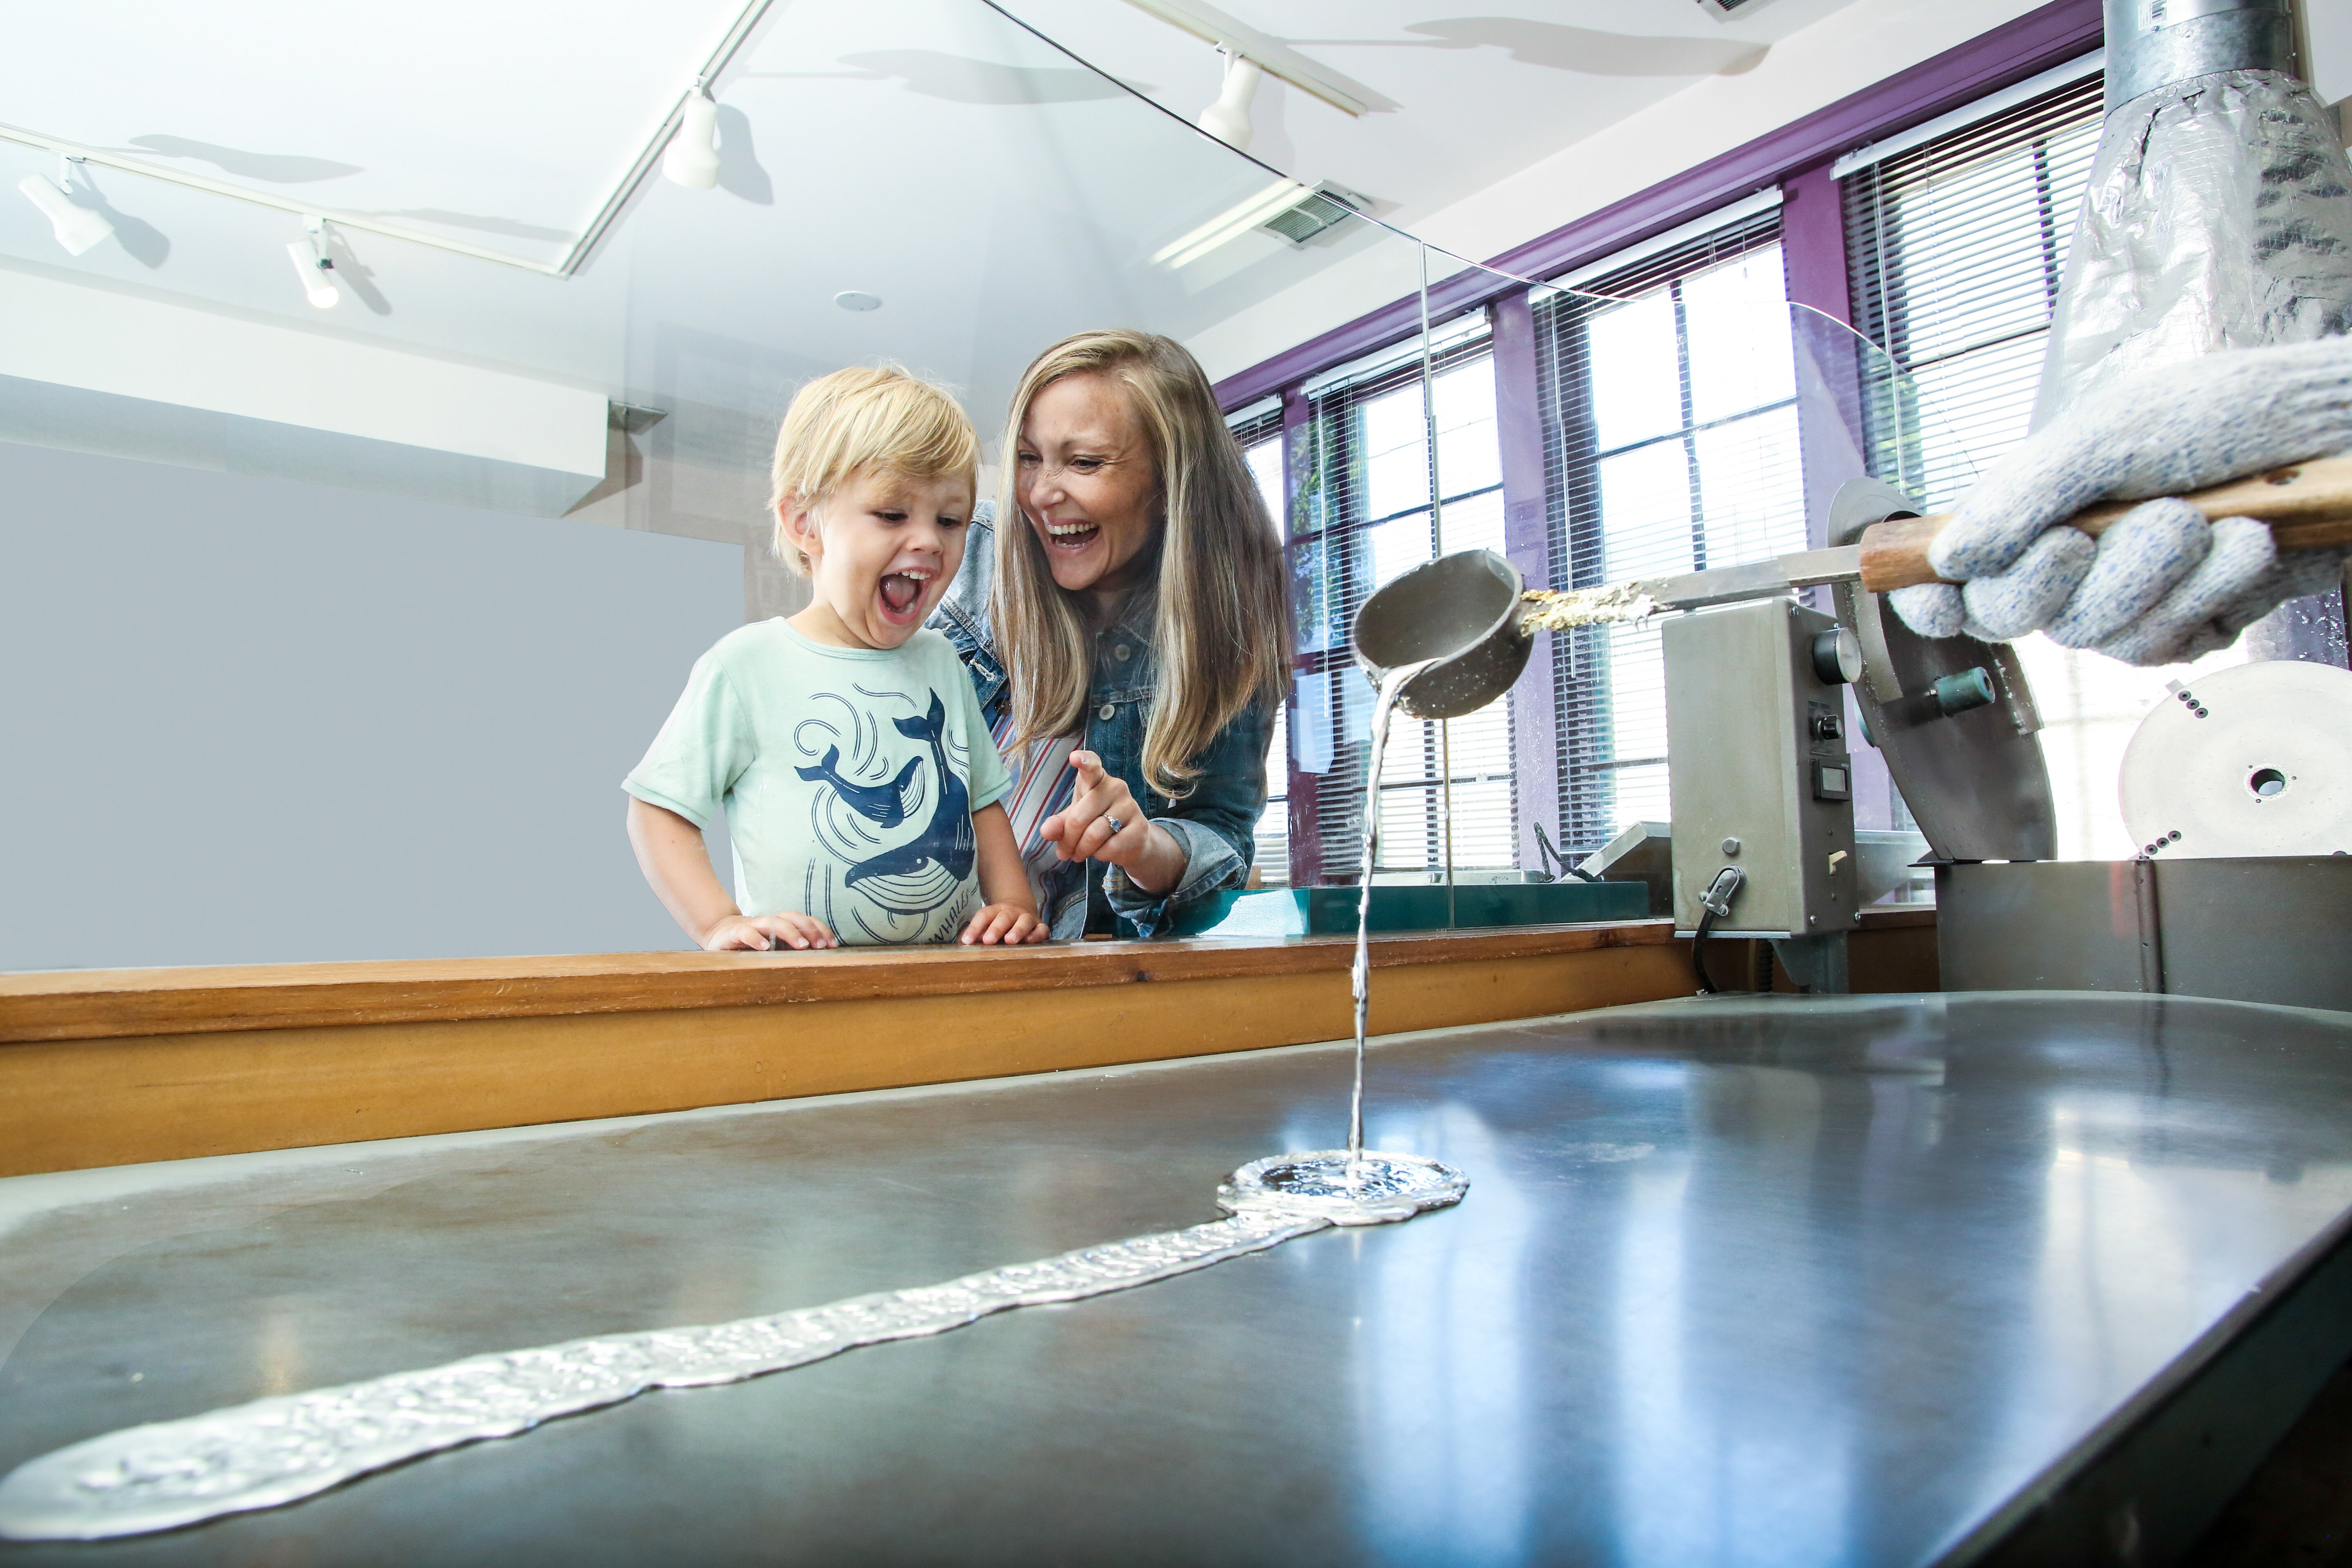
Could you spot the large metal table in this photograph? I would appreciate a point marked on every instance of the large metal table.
(1739, 1280)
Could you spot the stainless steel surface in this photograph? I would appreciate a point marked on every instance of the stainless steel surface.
(1757, 579)
(1975, 782)
(2156, 43)
(1462, 613)
(1770, 1280)
(1756, 749)
(2253, 930)
(2252, 760)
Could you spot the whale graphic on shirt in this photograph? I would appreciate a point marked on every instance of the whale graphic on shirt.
(927, 874)
(940, 856)
(885, 806)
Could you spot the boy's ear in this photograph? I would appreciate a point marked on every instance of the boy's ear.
(796, 520)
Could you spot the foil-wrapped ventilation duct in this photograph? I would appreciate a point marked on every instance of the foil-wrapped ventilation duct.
(2220, 208)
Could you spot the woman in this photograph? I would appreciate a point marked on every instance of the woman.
(1130, 612)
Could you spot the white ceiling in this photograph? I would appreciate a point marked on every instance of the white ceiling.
(501, 123)
(1459, 102)
(994, 193)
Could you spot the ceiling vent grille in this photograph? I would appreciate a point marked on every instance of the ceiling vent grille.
(1321, 208)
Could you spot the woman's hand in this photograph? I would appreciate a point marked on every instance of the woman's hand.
(1103, 823)
(762, 933)
(1009, 924)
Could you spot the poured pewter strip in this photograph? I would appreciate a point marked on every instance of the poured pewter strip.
(277, 1450)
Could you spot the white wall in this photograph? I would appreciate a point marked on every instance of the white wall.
(246, 720)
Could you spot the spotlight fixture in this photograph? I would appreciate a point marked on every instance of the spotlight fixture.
(857, 299)
(692, 157)
(1228, 118)
(315, 267)
(78, 227)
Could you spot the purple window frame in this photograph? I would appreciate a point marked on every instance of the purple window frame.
(1798, 158)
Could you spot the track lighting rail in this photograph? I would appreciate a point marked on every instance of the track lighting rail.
(746, 19)
(1269, 55)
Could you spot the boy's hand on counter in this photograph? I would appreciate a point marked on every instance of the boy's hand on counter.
(1007, 924)
(764, 934)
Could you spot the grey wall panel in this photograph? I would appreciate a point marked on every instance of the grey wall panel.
(248, 719)
(2244, 930)
(2259, 930)
(2051, 925)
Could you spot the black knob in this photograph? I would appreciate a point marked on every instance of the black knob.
(1837, 656)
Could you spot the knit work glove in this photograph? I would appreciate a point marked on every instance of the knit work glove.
(2160, 585)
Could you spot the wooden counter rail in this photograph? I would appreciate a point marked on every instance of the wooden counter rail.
(106, 1068)
(76, 1004)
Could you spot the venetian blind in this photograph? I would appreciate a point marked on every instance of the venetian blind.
(1671, 445)
(1953, 252)
(1361, 516)
(1257, 430)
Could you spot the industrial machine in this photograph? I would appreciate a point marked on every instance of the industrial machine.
(1767, 698)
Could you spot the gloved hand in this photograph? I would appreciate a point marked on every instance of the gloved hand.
(2160, 585)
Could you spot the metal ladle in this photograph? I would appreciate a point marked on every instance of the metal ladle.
(1464, 611)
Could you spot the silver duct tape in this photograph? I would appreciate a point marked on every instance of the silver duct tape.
(2219, 216)
(278, 1450)
(2155, 43)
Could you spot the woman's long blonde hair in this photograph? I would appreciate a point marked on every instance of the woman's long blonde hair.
(1220, 623)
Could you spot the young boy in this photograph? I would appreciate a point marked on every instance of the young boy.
(844, 743)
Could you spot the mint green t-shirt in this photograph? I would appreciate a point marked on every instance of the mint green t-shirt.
(849, 775)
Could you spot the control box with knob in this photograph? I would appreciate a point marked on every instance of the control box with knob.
(1758, 765)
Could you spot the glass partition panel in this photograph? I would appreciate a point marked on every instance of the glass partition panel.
(935, 182)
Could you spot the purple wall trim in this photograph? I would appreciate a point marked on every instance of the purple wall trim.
(1527, 539)
(1304, 826)
(2034, 42)
(1812, 242)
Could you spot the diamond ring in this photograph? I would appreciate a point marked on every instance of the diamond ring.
(1117, 826)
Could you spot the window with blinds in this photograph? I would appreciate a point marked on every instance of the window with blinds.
(1363, 515)
(1955, 248)
(1258, 429)
(1671, 445)
(1954, 251)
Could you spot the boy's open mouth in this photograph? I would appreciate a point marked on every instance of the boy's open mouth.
(902, 593)
(1072, 535)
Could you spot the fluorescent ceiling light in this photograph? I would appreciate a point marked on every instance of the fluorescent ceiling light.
(692, 159)
(77, 227)
(1229, 225)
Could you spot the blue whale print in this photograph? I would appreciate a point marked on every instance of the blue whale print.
(946, 842)
(885, 806)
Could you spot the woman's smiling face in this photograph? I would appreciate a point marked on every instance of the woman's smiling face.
(1085, 480)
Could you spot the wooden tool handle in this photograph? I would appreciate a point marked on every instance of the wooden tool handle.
(2308, 505)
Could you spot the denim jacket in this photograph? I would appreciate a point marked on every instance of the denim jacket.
(1216, 823)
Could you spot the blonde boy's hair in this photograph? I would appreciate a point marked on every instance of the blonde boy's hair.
(877, 418)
